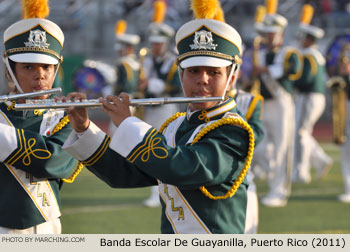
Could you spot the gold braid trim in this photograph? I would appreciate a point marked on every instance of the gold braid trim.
(80, 166)
(233, 121)
(60, 125)
(243, 124)
(71, 179)
(172, 118)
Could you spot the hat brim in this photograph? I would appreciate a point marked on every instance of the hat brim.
(204, 61)
(271, 29)
(33, 58)
(158, 39)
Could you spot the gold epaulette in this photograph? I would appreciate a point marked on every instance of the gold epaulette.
(237, 122)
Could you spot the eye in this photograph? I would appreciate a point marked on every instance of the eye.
(193, 70)
(27, 67)
(215, 72)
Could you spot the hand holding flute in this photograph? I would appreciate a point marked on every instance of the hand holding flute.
(117, 108)
(78, 116)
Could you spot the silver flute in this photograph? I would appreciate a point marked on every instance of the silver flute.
(4, 98)
(94, 103)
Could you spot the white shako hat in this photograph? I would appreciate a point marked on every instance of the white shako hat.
(159, 32)
(34, 39)
(125, 38)
(305, 20)
(207, 41)
(273, 22)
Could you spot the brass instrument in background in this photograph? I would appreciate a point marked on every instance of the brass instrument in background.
(339, 114)
(142, 54)
(139, 111)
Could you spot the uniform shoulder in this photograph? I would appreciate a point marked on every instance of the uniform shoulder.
(130, 62)
(316, 54)
(292, 51)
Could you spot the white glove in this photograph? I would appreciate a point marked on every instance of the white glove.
(156, 86)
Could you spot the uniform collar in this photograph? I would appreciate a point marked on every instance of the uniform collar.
(206, 115)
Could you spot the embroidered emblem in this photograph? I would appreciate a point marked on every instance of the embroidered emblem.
(203, 40)
(145, 153)
(38, 112)
(37, 38)
(29, 151)
(203, 116)
(12, 106)
(148, 148)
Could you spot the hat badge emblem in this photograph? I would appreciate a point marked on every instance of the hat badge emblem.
(203, 40)
(37, 38)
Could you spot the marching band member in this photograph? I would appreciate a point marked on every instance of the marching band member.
(127, 65)
(342, 76)
(278, 69)
(310, 102)
(32, 160)
(199, 159)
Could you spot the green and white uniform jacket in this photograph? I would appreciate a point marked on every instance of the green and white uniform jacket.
(32, 163)
(128, 70)
(162, 75)
(251, 107)
(284, 65)
(138, 155)
(313, 78)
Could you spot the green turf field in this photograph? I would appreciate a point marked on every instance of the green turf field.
(90, 206)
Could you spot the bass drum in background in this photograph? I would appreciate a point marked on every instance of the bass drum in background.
(333, 53)
(93, 77)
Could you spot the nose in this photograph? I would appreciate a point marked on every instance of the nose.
(203, 78)
(39, 73)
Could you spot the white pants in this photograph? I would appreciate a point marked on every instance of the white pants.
(275, 152)
(252, 212)
(345, 154)
(49, 227)
(308, 109)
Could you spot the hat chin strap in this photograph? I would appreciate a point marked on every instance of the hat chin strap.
(13, 77)
(229, 78)
(9, 69)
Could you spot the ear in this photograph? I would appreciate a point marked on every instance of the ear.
(231, 83)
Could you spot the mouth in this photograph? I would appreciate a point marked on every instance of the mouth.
(202, 93)
(39, 88)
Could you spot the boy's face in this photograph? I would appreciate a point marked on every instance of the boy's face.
(273, 39)
(204, 81)
(34, 76)
(158, 49)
